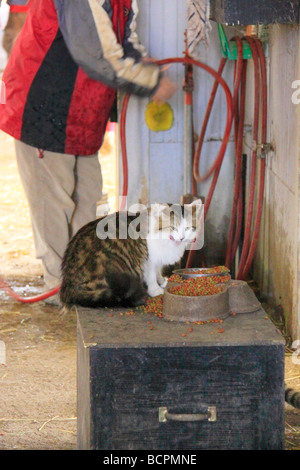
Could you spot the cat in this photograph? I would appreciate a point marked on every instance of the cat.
(117, 260)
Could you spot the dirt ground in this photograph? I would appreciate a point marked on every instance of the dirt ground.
(38, 381)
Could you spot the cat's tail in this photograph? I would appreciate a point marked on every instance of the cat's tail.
(115, 290)
(292, 397)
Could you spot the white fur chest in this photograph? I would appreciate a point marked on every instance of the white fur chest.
(164, 252)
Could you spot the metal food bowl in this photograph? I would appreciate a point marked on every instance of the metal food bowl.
(188, 273)
(235, 297)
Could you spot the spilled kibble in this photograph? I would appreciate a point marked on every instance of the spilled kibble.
(154, 305)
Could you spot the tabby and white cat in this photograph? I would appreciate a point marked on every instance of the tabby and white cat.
(123, 268)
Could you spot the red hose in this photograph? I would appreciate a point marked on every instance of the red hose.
(244, 268)
(27, 300)
(250, 205)
(238, 189)
(123, 150)
(250, 242)
(205, 122)
(239, 113)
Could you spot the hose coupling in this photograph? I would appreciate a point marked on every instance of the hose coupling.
(262, 149)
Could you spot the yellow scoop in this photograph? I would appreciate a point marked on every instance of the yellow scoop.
(158, 116)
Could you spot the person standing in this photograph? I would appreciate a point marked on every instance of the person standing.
(60, 82)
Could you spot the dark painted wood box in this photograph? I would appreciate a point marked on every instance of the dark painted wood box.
(244, 12)
(130, 372)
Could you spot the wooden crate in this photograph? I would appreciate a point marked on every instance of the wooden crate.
(129, 375)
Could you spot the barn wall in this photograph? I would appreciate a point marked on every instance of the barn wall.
(277, 260)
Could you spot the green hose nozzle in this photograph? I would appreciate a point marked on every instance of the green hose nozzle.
(229, 48)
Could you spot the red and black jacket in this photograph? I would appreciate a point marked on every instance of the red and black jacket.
(60, 81)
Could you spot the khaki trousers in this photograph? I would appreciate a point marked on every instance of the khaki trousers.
(62, 192)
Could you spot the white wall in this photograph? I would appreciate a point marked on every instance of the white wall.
(4, 9)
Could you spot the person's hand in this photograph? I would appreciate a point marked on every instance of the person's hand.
(166, 89)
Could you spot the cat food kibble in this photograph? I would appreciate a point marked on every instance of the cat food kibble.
(197, 286)
(215, 269)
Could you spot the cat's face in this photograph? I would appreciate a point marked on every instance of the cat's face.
(174, 222)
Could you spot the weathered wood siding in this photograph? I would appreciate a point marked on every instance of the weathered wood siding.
(277, 260)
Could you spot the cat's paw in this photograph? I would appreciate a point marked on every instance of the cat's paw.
(154, 291)
(163, 281)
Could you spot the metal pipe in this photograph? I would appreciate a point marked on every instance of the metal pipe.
(188, 88)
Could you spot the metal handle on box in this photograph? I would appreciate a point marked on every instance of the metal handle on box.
(164, 415)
